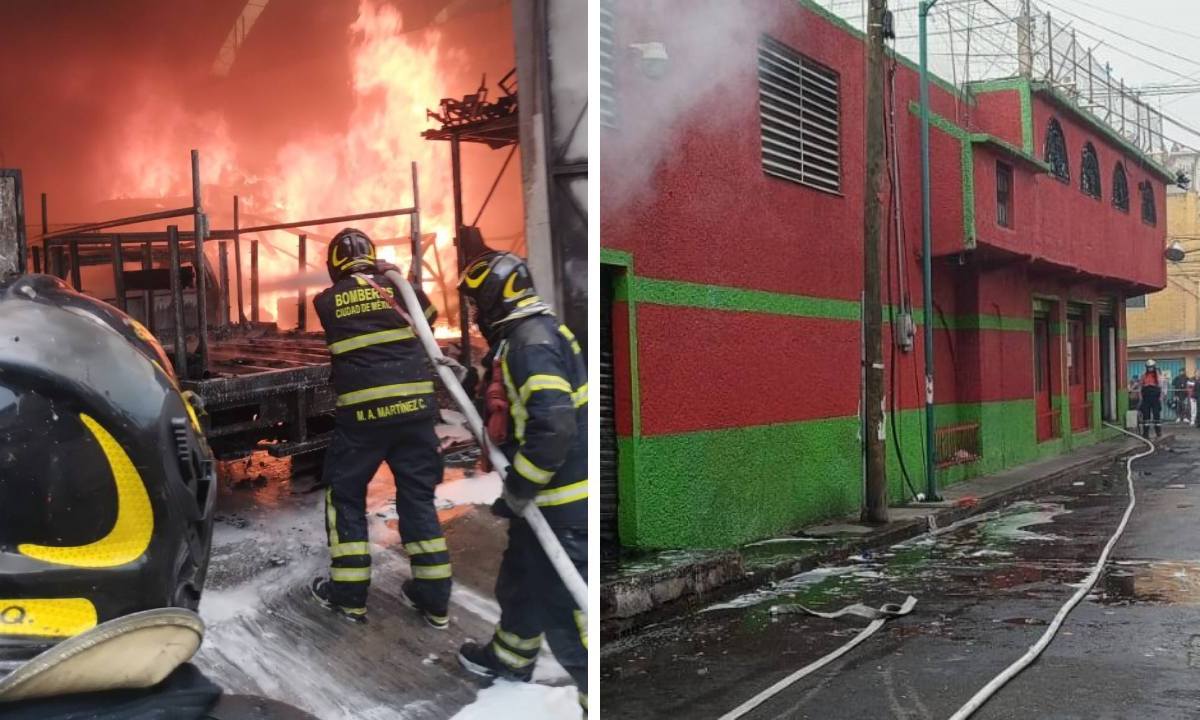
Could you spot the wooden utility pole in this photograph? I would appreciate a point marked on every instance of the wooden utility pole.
(875, 506)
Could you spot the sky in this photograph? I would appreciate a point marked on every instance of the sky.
(1148, 42)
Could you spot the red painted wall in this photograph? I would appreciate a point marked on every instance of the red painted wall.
(708, 214)
(1057, 223)
(731, 369)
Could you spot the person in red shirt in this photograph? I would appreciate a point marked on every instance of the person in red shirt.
(1150, 405)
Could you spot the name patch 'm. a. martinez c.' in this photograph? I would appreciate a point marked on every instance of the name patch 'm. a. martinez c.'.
(387, 411)
(55, 617)
(360, 300)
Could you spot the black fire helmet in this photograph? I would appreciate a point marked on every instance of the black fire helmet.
(349, 251)
(107, 484)
(501, 286)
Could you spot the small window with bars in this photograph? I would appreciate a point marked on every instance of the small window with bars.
(1056, 151)
(1149, 211)
(799, 106)
(1004, 195)
(1089, 172)
(608, 86)
(1120, 198)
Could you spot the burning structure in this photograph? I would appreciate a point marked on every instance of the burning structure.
(304, 118)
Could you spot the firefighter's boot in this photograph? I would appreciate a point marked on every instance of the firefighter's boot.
(481, 660)
(409, 596)
(322, 593)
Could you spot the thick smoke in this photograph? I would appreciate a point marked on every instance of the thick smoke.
(699, 38)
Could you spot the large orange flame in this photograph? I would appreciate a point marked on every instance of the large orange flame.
(396, 77)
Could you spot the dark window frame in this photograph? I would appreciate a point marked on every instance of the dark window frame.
(1089, 172)
(1149, 208)
(1120, 196)
(1055, 152)
(1004, 195)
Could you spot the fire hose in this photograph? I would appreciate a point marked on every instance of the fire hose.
(445, 370)
(877, 616)
(987, 691)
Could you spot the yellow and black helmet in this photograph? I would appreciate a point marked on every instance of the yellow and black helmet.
(349, 251)
(501, 286)
(107, 485)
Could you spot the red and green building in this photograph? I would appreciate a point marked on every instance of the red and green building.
(732, 279)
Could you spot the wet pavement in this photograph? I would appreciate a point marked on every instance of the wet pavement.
(986, 590)
(267, 637)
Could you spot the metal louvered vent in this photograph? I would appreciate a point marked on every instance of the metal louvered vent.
(608, 88)
(798, 102)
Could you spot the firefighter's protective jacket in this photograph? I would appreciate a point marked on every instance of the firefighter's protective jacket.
(380, 372)
(546, 381)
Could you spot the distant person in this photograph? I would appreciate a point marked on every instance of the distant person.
(1150, 404)
(1191, 395)
(1179, 397)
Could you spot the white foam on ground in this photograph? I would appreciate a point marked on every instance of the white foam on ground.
(506, 700)
(478, 490)
(783, 587)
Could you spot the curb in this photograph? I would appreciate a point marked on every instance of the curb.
(632, 603)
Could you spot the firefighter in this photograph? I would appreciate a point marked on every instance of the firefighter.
(538, 364)
(386, 412)
(1150, 404)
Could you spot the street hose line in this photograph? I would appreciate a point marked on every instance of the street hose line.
(879, 617)
(987, 691)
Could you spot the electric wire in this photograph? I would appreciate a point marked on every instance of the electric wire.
(895, 201)
(987, 691)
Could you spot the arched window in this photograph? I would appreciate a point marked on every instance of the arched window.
(1120, 189)
(1149, 213)
(1056, 152)
(1089, 172)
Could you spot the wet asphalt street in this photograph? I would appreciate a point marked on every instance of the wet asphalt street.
(986, 590)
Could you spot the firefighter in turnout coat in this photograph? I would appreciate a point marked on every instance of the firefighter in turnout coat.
(543, 432)
(386, 412)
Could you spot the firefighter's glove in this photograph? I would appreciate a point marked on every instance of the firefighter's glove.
(509, 505)
(516, 504)
(455, 366)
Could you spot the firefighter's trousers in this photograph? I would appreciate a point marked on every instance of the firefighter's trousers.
(535, 602)
(411, 451)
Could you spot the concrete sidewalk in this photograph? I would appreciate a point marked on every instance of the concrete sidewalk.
(647, 589)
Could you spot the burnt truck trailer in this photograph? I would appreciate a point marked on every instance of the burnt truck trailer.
(261, 388)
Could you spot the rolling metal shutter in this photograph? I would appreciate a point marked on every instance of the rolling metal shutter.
(609, 542)
(608, 89)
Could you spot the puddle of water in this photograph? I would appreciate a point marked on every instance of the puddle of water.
(1009, 527)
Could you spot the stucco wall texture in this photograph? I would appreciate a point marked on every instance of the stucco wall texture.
(736, 329)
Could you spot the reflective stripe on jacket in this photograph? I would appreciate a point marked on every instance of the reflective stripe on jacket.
(379, 371)
(545, 377)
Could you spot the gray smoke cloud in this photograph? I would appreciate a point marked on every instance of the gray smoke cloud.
(675, 60)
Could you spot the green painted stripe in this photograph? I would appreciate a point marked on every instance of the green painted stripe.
(969, 322)
(608, 256)
(717, 297)
(718, 488)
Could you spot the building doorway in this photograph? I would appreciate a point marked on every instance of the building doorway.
(1078, 362)
(609, 540)
(1043, 380)
(1108, 368)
